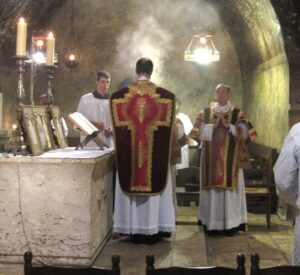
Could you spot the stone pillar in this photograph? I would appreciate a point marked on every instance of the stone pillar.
(1, 111)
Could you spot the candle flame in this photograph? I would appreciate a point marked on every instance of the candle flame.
(50, 35)
(14, 126)
(72, 57)
(22, 20)
(40, 43)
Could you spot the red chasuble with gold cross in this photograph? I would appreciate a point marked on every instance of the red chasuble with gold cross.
(142, 116)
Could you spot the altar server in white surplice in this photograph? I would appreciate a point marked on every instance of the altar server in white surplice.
(95, 107)
(143, 115)
(286, 171)
(224, 132)
(188, 126)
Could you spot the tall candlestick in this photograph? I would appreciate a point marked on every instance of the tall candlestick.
(50, 50)
(21, 37)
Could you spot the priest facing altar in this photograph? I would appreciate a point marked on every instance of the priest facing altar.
(143, 116)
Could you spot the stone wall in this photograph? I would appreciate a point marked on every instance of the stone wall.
(266, 98)
(1, 108)
(112, 35)
(264, 68)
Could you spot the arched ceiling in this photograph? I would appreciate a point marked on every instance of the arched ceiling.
(250, 27)
(254, 29)
(247, 21)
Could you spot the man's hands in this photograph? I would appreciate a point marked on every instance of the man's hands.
(221, 121)
(100, 126)
(108, 132)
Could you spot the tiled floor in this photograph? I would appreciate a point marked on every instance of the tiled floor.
(274, 246)
(189, 246)
(176, 250)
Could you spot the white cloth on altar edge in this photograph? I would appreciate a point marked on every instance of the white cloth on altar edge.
(70, 152)
(144, 214)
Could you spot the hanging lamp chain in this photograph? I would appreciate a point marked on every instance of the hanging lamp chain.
(72, 31)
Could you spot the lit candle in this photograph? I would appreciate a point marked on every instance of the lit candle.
(50, 50)
(14, 126)
(21, 37)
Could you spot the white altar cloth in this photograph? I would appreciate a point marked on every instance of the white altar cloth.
(70, 152)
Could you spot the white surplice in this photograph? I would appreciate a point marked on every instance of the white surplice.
(97, 110)
(222, 208)
(144, 214)
(188, 126)
(287, 179)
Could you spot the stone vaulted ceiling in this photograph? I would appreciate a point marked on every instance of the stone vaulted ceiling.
(39, 12)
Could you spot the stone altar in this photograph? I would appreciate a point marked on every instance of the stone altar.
(57, 205)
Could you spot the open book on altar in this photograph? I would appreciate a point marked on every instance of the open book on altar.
(87, 128)
(83, 123)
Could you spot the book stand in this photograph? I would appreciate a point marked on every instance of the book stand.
(95, 138)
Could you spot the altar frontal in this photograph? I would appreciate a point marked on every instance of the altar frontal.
(143, 116)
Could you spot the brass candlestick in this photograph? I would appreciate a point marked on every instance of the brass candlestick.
(17, 145)
(50, 75)
(21, 71)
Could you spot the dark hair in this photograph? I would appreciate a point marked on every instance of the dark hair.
(144, 65)
(103, 74)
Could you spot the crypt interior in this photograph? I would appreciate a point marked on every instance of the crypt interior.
(259, 45)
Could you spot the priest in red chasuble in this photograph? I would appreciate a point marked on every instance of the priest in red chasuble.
(143, 116)
(224, 132)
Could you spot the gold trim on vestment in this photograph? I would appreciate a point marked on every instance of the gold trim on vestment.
(195, 132)
(218, 168)
(142, 88)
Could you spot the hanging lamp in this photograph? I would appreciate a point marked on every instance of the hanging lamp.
(201, 48)
(71, 57)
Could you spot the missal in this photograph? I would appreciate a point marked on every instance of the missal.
(82, 123)
(87, 128)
